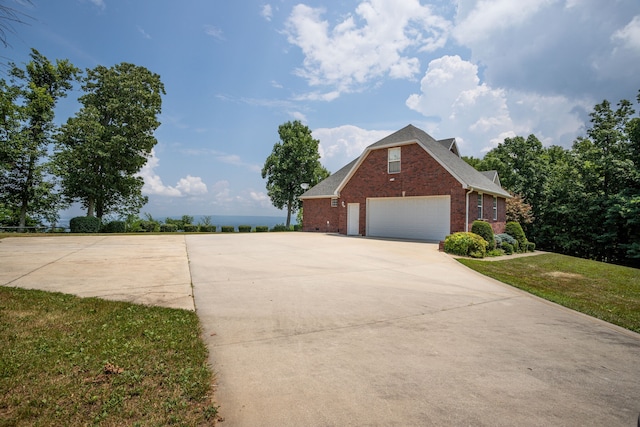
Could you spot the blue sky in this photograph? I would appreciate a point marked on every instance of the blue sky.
(353, 71)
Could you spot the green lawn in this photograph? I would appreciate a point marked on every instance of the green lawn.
(71, 361)
(608, 292)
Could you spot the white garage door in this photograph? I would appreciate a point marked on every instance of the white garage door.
(422, 218)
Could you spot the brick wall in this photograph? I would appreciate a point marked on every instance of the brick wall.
(318, 215)
(420, 175)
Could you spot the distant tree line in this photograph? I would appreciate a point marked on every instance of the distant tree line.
(93, 158)
(583, 201)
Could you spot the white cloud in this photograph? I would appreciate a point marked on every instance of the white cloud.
(214, 32)
(267, 12)
(340, 145)
(153, 184)
(192, 186)
(458, 105)
(482, 19)
(377, 41)
(553, 47)
(629, 36)
(297, 115)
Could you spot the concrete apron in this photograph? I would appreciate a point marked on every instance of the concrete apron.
(316, 330)
(145, 269)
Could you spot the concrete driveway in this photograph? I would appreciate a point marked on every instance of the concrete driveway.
(320, 330)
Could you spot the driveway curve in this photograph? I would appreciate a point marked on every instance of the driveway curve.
(323, 330)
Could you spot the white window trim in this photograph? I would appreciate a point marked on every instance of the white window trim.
(495, 208)
(389, 161)
(480, 205)
(334, 202)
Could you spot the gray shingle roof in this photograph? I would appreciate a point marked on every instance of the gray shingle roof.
(439, 150)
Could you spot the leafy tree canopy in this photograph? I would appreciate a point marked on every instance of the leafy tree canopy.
(101, 149)
(27, 105)
(294, 161)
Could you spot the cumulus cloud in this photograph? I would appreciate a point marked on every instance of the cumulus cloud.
(553, 47)
(267, 12)
(479, 20)
(629, 36)
(381, 39)
(189, 186)
(339, 145)
(459, 105)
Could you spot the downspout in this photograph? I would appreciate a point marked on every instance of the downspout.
(466, 215)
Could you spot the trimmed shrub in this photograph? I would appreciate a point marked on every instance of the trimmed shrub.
(168, 228)
(190, 228)
(465, 244)
(244, 229)
(280, 227)
(114, 227)
(507, 248)
(228, 229)
(297, 227)
(505, 238)
(262, 228)
(84, 224)
(484, 230)
(514, 229)
(495, 252)
(497, 240)
(208, 228)
(149, 226)
(531, 247)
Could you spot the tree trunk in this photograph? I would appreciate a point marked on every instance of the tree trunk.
(91, 205)
(24, 207)
(288, 214)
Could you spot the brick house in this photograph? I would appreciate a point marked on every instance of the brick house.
(407, 185)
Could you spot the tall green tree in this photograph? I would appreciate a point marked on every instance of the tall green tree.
(102, 148)
(28, 104)
(294, 161)
(522, 166)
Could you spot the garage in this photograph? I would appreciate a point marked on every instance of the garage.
(421, 218)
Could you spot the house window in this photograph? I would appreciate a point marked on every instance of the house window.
(495, 208)
(334, 203)
(394, 160)
(479, 206)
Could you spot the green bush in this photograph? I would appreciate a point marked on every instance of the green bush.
(262, 228)
(114, 227)
(497, 240)
(84, 224)
(244, 228)
(495, 252)
(531, 247)
(514, 229)
(228, 229)
(505, 238)
(168, 228)
(149, 226)
(280, 227)
(208, 228)
(297, 227)
(507, 248)
(190, 228)
(466, 244)
(484, 230)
